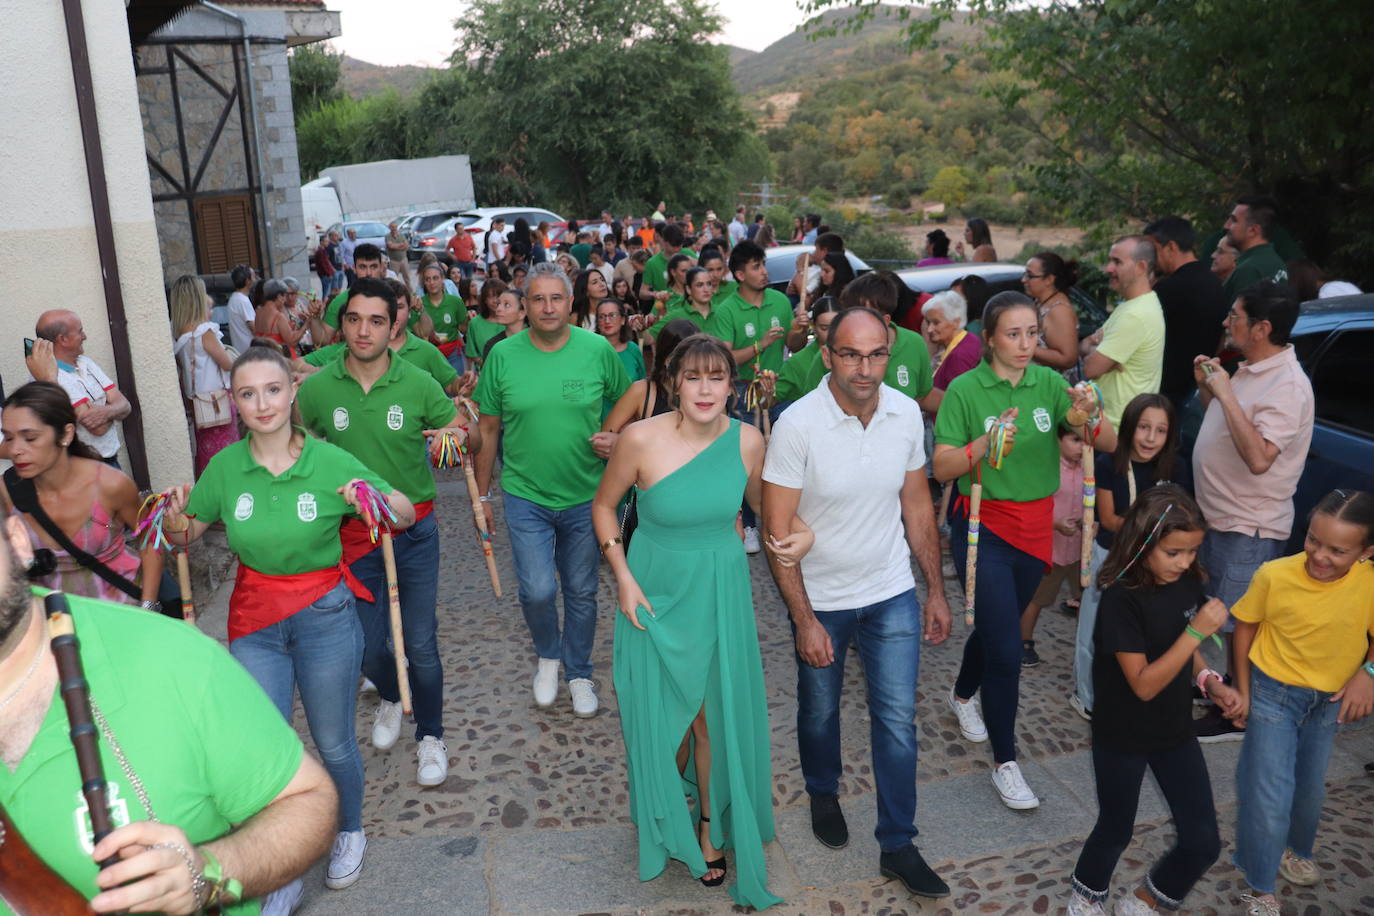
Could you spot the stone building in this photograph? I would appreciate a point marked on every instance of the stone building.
(223, 192)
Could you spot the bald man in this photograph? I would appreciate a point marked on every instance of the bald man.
(97, 400)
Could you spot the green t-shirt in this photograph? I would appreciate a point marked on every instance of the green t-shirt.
(280, 525)
(908, 369)
(1253, 266)
(198, 731)
(680, 308)
(419, 353)
(726, 290)
(656, 272)
(450, 316)
(550, 405)
(632, 357)
(383, 427)
(801, 372)
(480, 330)
(332, 310)
(583, 252)
(978, 397)
(740, 324)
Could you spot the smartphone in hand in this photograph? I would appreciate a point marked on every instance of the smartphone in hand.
(28, 346)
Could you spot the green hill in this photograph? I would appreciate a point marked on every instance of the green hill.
(360, 79)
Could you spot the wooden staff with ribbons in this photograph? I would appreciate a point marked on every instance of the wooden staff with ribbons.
(151, 529)
(377, 516)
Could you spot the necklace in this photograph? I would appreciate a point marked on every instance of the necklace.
(33, 666)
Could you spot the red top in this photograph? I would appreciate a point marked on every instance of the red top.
(462, 247)
(260, 600)
(1028, 526)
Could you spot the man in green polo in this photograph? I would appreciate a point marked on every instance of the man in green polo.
(670, 241)
(383, 409)
(419, 353)
(1250, 227)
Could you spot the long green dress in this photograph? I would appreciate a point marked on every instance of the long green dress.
(700, 647)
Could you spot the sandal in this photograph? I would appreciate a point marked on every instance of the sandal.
(717, 864)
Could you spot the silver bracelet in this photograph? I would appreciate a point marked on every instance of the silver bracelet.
(198, 884)
(485, 499)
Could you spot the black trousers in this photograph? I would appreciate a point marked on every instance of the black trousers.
(1182, 776)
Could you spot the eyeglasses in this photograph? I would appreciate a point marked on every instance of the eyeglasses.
(610, 317)
(1233, 315)
(851, 360)
(1030, 276)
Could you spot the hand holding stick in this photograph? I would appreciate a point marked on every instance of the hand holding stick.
(971, 579)
(152, 528)
(376, 514)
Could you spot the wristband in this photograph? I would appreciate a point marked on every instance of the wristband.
(1202, 677)
(485, 499)
(223, 889)
(610, 543)
(1368, 668)
(1191, 631)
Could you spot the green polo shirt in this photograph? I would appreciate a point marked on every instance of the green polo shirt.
(285, 524)
(680, 308)
(198, 731)
(480, 330)
(656, 272)
(801, 373)
(908, 368)
(1254, 265)
(450, 316)
(332, 310)
(978, 397)
(550, 405)
(419, 353)
(383, 427)
(740, 324)
(726, 290)
(583, 252)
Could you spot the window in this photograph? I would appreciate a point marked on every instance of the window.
(225, 233)
(1338, 382)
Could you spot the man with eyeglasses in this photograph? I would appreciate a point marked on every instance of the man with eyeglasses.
(849, 458)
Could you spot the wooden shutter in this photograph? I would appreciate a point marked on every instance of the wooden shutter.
(224, 228)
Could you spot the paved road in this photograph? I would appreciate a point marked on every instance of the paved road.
(534, 816)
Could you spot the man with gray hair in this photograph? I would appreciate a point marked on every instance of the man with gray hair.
(1126, 356)
(95, 397)
(397, 248)
(546, 386)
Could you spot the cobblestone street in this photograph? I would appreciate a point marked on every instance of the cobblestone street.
(534, 817)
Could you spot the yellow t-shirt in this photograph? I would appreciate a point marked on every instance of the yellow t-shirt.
(1311, 634)
(1133, 338)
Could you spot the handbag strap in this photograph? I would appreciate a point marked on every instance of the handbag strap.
(24, 496)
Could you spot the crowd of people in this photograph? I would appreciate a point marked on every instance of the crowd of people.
(648, 400)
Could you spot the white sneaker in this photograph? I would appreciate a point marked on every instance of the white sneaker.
(386, 728)
(1011, 785)
(751, 541)
(433, 755)
(970, 719)
(1078, 707)
(583, 697)
(284, 900)
(1131, 905)
(546, 682)
(367, 687)
(1263, 905)
(1079, 905)
(1295, 870)
(346, 861)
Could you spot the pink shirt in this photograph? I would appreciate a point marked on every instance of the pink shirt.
(1277, 397)
(1068, 504)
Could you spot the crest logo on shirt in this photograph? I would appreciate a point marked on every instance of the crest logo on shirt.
(395, 417)
(572, 389)
(341, 418)
(1042, 419)
(774, 322)
(243, 508)
(119, 816)
(448, 319)
(903, 376)
(749, 329)
(306, 509)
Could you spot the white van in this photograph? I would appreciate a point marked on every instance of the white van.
(320, 207)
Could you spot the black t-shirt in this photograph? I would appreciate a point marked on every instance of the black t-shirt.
(1194, 306)
(1144, 471)
(1148, 621)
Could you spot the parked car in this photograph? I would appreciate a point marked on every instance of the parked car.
(477, 222)
(782, 264)
(937, 279)
(1333, 339)
(424, 223)
(369, 230)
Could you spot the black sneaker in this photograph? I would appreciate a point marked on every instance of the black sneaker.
(1029, 657)
(1213, 728)
(827, 821)
(907, 866)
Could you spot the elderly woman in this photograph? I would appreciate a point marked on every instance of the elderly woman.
(957, 351)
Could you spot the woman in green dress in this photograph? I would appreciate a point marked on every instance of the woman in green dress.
(687, 671)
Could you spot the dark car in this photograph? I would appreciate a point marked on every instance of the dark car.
(1334, 339)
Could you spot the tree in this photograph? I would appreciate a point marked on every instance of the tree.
(1177, 106)
(316, 70)
(596, 103)
(950, 187)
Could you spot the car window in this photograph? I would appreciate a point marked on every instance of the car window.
(1305, 347)
(426, 223)
(1338, 378)
(370, 230)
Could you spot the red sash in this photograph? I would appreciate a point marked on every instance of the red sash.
(448, 346)
(1027, 526)
(354, 538)
(259, 600)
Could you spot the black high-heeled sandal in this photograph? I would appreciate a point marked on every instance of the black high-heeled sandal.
(713, 865)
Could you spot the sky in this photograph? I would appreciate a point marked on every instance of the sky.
(394, 32)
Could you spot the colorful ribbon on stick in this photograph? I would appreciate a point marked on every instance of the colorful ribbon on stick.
(373, 509)
(151, 516)
(1091, 427)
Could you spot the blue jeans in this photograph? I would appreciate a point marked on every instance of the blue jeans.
(542, 540)
(1280, 779)
(417, 576)
(1087, 628)
(888, 637)
(1007, 580)
(1231, 559)
(317, 649)
(455, 359)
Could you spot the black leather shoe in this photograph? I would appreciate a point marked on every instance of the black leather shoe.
(907, 866)
(827, 821)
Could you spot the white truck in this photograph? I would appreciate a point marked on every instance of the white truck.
(386, 190)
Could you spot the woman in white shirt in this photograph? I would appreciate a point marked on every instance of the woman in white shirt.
(204, 365)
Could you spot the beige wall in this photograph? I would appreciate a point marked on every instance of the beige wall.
(46, 224)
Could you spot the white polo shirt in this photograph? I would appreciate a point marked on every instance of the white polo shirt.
(850, 479)
(87, 383)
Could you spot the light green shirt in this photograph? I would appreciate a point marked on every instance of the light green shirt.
(1133, 338)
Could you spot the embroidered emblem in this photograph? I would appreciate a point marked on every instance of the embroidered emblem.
(395, 417)
(749, 329)
(306, 510)
(1042, 419)
(243, 509)
(903, 376)
(341, 418)
(119, 816)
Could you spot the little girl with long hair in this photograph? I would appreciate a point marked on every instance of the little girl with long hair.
(1153, 616)
(1304, 663)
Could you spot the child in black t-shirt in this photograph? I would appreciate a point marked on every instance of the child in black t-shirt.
(1152, 617)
